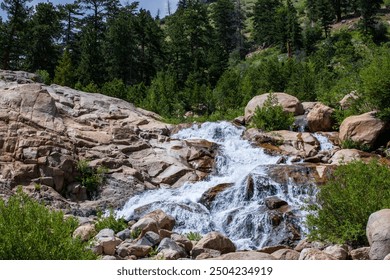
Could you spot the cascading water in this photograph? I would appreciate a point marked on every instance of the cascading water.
(239, 210)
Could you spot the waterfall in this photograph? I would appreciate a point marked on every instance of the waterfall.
(238, 211)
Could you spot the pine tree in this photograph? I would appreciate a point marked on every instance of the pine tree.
(15, 33)
(265, 22)
(368, 10)
(64, 72)
(45, 30)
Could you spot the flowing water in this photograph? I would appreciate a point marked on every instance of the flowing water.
(238, 211)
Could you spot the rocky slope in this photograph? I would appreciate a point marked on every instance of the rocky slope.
(46, 130)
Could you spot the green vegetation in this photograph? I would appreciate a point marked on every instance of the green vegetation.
(208, 57)
(134, 234)
(30, 231)
(344, 204)
(194, 236)
(271, 116)
(110, 222)
(350, 144)
(90, 178)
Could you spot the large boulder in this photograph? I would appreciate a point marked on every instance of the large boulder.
(347, 155)
(213, 240)
(108, 241)
(170, 250)
(320, 118)
(286, 254)
(340, 252)
(250, 255)
(163, 220)
(289, 103)
(284, 142)
(315, 254)
(363, 129)
(362, 253)
(378, 234)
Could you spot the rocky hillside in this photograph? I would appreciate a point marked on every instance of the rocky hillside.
(46, 130)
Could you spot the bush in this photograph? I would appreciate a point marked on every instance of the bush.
(30, 231)
(194, 236)
(90, 178)
(271, 116)
(44, 77)
(376, 82)
(110, 222)
(344, 203)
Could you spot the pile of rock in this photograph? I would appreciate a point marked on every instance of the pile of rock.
(157, 240)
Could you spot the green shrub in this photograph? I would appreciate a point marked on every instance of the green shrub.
(90, 178)
(134, 234)
(115, 88)
(271, 116)
(376, 82)
(110, 222)
(194, 236)
(44, 77)
(30, 231)
(350, 144)
(344, 203)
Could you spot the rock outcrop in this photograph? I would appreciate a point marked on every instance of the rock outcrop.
(378, 234)
(289, 103)
(46, 130)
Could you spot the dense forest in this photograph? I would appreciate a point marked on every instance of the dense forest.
(208, 58)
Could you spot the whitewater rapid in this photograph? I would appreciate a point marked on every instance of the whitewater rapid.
(236, 212)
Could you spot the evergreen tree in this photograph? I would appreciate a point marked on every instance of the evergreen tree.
(321, 11)
(292, 29)
(70, 14)
(189, 42)
(368, 10)
(45, 30)
(91, 68)
(64, 72)
(265, 22)
(224, 19)
(15, 32)
(150, 45)
(120, 48)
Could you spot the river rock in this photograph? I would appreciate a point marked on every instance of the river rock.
(170, 250)
(274, 202)
(107, 240)
(347, 155)
(284, 142)
(149, 239)
(250, 255)
(84, 232)
(208, 254)
(163, 220)
(387, 258)
(378, 234)
(340, 252)
(362, 253)
(209, 195)
(182, 241)
(145, 225)
(289, 103)
(364, 129)
(213, 240)
(286, 254)
(124, 234)
(320, 118)
(129, 249)
(315, 254)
